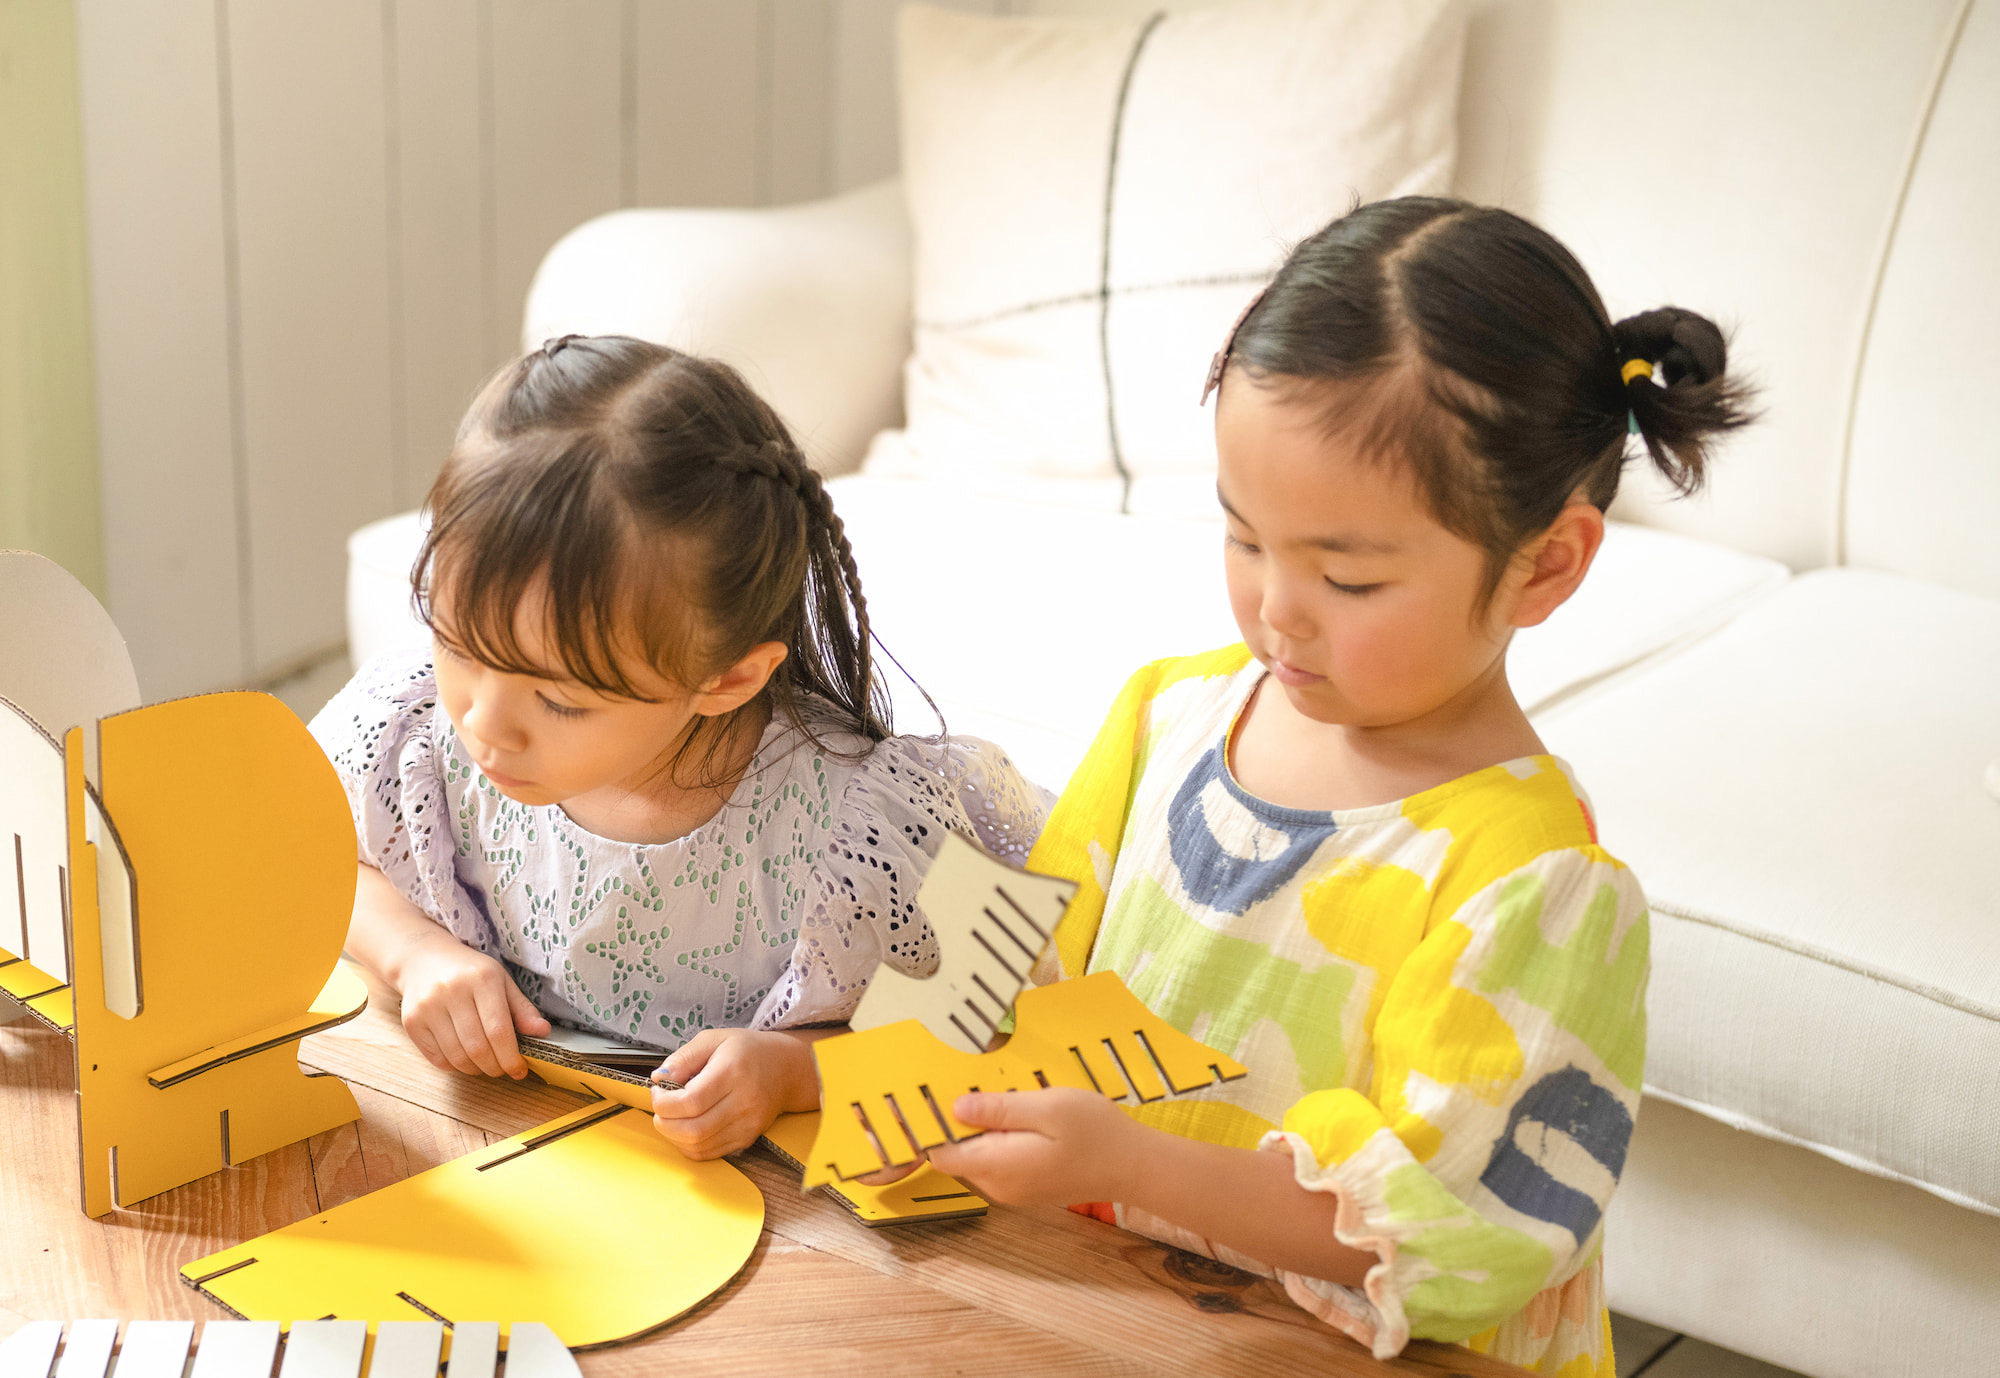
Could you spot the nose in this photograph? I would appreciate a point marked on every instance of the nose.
(491, 717)
(1283, 607)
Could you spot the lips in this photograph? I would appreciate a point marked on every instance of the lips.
(502, 779)
(1291, 675)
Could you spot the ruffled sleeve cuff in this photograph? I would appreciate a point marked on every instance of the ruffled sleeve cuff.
(378, 732)
(1373, 1315)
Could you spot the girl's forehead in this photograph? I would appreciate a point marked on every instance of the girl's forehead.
(1280, 466)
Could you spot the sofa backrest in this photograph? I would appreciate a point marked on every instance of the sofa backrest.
(1748, 161)
(1745, 161)
(1923, 492)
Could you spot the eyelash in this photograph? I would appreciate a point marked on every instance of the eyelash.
(560, 710)
(1352, 590)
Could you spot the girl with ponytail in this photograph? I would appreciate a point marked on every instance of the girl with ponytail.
(643, 782)
(1338, 851)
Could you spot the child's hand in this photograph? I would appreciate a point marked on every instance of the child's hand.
(733, 1083)
(462, 1009)
(1053, 1147)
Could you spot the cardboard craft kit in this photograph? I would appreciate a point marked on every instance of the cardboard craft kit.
(183, 881)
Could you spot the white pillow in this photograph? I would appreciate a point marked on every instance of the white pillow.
(1094, 201)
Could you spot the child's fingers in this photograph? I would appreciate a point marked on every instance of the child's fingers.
(526, 1017)
(996, 1110)
(687, 1060)
(470, 1027)
(445, 1038)
(690, 1102)
(496, 1023)
(709, 1135)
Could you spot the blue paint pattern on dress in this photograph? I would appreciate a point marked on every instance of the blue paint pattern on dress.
(1591, 1117)
(1222, 879)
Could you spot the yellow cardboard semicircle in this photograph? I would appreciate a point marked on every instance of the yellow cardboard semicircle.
(592, 1224)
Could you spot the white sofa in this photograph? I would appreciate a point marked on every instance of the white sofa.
(1784, 697)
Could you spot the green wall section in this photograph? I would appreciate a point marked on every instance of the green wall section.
(49, 499)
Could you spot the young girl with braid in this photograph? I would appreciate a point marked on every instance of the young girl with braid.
(1338, 851)
(643, 782)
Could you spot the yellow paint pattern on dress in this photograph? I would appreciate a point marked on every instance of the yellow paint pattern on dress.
(1456, 1038)
(1499, 823)
(1370, 914)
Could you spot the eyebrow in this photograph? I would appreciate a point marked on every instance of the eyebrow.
(1339, 543)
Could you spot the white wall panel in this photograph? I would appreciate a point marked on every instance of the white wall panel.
(558, 118)
(154, 180)
(798, 116)
(312, 232)
(696, 64)
(442, 246)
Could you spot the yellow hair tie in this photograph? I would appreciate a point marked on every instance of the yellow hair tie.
(1636, 368)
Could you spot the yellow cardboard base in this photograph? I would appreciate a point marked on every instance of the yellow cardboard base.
(592, 1224)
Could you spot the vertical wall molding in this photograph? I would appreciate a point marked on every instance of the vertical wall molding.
(312, 230)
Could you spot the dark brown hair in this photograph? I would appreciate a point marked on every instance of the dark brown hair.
(673, 519)
(1469, 344)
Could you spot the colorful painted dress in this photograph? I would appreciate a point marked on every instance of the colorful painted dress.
(1441, 1003)
(774, 913)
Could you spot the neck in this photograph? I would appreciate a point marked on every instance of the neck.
(679, 793)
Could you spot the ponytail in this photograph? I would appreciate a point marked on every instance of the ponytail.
(1679, 421)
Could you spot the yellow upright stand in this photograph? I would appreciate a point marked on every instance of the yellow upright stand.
(236, 836)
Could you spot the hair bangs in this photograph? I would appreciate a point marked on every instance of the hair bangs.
(540, 536)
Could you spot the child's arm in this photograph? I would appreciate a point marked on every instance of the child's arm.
(1068, 1146)
(732, 1083)
(460, 1007)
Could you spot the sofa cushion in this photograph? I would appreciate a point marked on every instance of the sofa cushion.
(1801, 794)
(1094, 200)
(1023, 621)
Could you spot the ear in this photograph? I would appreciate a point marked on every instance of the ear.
(1556, 562)
(741, 682)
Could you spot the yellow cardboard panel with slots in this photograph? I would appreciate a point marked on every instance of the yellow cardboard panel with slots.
(183, 875)
(886, 1090)
(519, 1228)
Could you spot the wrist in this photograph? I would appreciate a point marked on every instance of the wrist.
(399, 958)
(799, 1082)
(1132, 1161)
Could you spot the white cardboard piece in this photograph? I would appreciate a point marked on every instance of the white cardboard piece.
(991, 923)
(65, 664)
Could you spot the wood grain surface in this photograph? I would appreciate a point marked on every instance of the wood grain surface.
(1034, 1290)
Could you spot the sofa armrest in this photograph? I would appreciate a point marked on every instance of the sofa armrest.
(811, 302)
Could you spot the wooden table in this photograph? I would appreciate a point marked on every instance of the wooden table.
(1019, 1291)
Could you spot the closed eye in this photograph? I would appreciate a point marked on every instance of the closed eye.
(1354, 590)
(561, 710)
(1231, 542)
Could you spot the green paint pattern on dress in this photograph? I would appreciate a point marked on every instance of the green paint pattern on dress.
(1483, 1269)
(1594, 996)
(1149, 940)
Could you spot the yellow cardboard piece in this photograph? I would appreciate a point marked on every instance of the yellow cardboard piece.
(886, 1090)
(923, 1196)
(592, 1224)
(235, 834)
(896, 1084)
